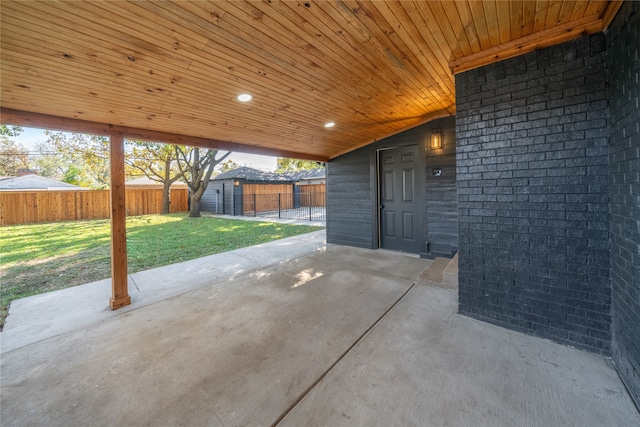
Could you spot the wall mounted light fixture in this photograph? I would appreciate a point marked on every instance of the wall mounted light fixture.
(436, 140)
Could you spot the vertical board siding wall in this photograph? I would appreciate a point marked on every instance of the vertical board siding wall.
(533, 175)
(623, 56)
(352, 191)
(26, 207)
(213, 199)
(222, 202)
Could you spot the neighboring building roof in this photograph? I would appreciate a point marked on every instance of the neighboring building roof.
(251, 174)
(144, 181)
(318, 173)
(35, 182)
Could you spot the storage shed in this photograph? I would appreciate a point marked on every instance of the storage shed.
(233, 192)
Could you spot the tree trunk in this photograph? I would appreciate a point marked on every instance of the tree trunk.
(166, 198)
(194, 209)
(199, 178)
(166, 189)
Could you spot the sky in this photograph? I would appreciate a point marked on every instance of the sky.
(30, 136)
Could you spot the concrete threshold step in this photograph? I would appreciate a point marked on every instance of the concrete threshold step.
(450, 274)
(442, 272)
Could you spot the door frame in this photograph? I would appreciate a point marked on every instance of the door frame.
(420, 185)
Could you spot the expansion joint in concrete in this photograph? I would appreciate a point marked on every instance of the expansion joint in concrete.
(342, 356)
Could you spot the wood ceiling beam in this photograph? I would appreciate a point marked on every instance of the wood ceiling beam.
(549, 37)
(610, 13)
(24, 118)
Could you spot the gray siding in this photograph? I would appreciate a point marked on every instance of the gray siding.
(349, 200)
(221, 202)
(352, 192)
(229, 200)
(623, 55)
(441, 213)
(441, 203)
(213, 198)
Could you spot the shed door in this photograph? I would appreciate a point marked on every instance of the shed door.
(399, 201)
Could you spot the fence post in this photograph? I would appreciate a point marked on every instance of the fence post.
(255, 206)
(310, 207)
(279, 210)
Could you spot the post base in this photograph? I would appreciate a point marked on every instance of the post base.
(120, 302)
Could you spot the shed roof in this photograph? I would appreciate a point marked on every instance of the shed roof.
(251, 174)
(317, 173)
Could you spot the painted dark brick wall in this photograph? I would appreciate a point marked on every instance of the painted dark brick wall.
(352, 191)
(623, 39)
(533, 183)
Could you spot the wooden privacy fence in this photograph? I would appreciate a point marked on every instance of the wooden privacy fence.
(275, 197)
(313, 195)
(25, 207)
(265, 197)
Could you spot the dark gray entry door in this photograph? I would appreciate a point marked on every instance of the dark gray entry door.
(399, 199)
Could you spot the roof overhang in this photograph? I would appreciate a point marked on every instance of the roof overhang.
(171, 71)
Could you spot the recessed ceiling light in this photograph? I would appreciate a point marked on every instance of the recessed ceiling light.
(329, 125)
(244, 97)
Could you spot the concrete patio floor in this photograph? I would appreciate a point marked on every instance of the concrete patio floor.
(290, 333)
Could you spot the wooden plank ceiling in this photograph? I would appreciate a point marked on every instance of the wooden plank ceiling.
(374, 68)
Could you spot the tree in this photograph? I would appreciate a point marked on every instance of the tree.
(227, 166)
(196, 167)
(10, 131)
(49, 163)
(87, 156)
(294, 165)
(73, 175)
(158, 162)
(13, 156)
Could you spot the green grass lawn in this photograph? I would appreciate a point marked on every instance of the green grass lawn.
(38, 258)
